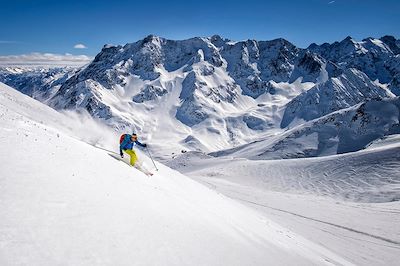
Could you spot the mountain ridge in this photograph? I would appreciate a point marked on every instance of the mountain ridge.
(216, 93)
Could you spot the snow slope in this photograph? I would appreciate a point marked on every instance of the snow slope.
(370, 175)
(65, 202)
(348, 203)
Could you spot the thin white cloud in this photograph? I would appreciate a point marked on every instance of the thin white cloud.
(80, 46)
(8, 42)
(331, 2)
(44, 59)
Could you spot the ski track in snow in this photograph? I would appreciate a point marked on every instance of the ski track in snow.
(390, 241)
(364, 233)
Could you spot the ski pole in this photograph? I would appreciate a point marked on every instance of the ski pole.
(151, 158)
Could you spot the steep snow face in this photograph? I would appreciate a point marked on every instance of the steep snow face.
(347, 130)
(203, 92)
(337, 93)
(75, 204)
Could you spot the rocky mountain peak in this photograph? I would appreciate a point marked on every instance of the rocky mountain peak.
(392, 43)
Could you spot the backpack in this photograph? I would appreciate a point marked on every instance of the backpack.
(121, 139)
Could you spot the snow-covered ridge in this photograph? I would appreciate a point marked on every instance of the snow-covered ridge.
(377, 58)
(38, 82)
(347, 130)
(346, 90)
(211, 93)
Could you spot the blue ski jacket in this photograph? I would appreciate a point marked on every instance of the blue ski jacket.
(127, 143)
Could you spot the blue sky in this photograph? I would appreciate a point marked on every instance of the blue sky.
(46, 26)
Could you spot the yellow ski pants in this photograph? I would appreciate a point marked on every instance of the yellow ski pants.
(131, 153)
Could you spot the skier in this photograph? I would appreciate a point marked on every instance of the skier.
(126, 144)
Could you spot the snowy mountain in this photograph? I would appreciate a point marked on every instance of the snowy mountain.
(75, 204)
(38, 82)
(377, 58)
(212, 67)
(212, 94)
(346, 90)
(347, 130)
